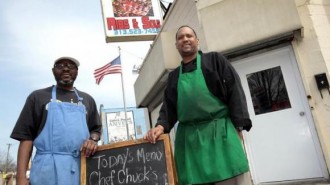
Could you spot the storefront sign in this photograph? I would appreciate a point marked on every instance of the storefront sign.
(131, 20)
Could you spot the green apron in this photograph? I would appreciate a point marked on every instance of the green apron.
(207, 146)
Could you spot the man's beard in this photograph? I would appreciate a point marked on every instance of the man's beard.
(66, 83)
(190, 52)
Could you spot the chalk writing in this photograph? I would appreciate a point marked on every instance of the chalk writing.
(143, 164)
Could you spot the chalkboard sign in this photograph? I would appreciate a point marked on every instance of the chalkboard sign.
(135, 162)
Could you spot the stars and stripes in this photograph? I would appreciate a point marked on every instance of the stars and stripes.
(112, 67)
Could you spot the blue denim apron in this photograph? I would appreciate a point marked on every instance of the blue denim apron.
(57, 159)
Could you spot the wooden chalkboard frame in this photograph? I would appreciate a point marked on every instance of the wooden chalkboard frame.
(171, 171)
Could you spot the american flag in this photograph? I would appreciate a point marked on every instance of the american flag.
(111, 68)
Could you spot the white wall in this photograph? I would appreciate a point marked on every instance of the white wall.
(313, 54)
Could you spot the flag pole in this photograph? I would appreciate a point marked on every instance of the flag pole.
(123, 90)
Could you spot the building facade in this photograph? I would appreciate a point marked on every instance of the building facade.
(281, 50)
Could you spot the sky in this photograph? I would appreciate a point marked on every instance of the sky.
(34, 33)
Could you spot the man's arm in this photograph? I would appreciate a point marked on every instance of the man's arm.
(235, 96)
(168, 112)
(23, 158)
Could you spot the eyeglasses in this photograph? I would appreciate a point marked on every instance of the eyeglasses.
(68, 65)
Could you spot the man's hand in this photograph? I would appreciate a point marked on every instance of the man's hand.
(240, 134)
(89, 147)
(154, 133)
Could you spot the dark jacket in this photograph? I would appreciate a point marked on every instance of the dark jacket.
(221, 79)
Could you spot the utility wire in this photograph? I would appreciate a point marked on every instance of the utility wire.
(126, 51)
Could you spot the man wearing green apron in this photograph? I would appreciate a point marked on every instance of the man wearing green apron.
(205, 95)
(60, 122)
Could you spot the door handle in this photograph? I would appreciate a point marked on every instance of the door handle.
(302, 113)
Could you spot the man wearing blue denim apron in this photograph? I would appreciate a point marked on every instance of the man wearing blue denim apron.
(60, 122)
(205, 95)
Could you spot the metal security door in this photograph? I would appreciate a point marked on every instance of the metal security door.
(282, 144)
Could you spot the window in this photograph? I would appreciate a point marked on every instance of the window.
(268, 91)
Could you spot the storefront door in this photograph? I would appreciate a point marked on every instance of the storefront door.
(282, 145)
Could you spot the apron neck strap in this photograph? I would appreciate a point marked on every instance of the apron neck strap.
(198, 60)
(54, 93)
(80, 99)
